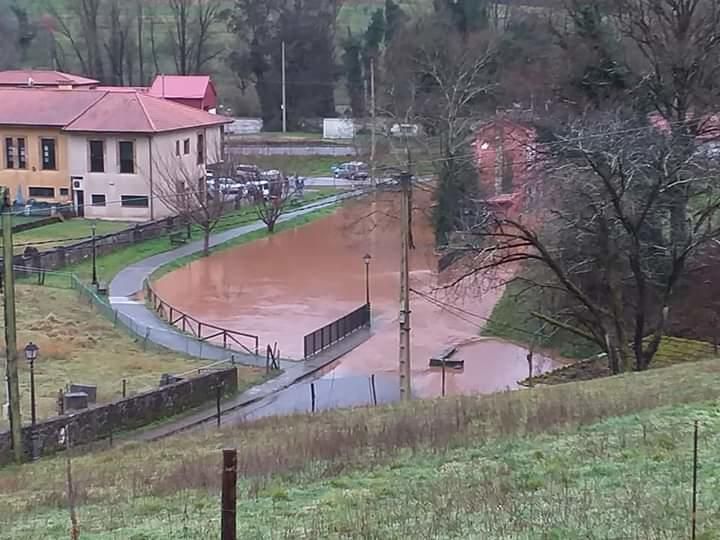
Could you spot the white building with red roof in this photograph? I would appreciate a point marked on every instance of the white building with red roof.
(102, 150)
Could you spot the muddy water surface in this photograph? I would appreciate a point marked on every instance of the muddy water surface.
(286, 286)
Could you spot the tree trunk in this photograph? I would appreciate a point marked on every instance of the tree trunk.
(206, 242)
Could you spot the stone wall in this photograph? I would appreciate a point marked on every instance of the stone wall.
(61, 256)
(99, 422)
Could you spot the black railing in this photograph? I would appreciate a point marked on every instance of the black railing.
(202, 331)
(335, 331)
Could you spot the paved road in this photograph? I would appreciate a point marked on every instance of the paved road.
(133, 313)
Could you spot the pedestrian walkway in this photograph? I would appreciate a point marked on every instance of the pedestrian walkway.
(144, 322)
(237, 405)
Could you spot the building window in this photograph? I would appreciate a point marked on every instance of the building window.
(127, 157)
(507, 173)
(186, 146)
(97, 156)
(64, 192)
(47, 152)
(9, 154)
(201, 149)
(177, 148)
(135, 201)
(44, 192)
(98, 199)
(22, 155)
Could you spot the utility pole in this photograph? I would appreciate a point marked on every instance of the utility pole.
(284, 92)
(10, 329)
(404, 358)
(372, 128)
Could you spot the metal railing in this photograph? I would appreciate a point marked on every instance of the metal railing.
(335, 331)
(202, 331)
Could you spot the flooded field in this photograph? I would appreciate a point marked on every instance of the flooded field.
(283, 287)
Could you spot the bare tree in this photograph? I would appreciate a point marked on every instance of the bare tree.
(599, 235)
(272, 204)
(194, 25)
(183, 189)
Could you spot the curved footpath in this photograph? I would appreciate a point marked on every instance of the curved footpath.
(143, 321)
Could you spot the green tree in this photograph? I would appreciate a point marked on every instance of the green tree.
(352, 52)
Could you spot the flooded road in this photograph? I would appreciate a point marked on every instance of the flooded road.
(284, 287)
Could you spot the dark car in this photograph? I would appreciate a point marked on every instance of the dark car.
(352, 170)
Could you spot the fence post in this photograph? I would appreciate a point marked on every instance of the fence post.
(443, 377)
(372, 386)
(218, 396)
(312, 396)
(694, 481)
(124, 388)
(228, 524)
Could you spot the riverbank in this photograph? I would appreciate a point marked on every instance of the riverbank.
(610, 457)
(77, 345)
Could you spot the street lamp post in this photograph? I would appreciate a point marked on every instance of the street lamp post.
(94, 265)
(31, 353)
(366, 259)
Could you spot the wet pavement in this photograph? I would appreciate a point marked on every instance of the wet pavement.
(292, 283)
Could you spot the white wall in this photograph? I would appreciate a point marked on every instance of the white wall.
(155, 162)
(338, 128)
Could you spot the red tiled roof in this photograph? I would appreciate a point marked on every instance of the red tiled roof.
(180, 86)
(135, 112)
(99, 111)
(21, 77)
(123, 89)
(43, 106)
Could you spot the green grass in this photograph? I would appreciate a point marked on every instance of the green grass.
(603, 459)
(79, 345)
(302, 165)
(511, 320)
(65, 232)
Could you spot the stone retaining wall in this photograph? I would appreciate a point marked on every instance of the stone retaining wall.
(61, 256)
(99, 422)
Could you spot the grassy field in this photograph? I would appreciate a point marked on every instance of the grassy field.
(66, 232)
(79, 345)
(603, 459)
(301, 165)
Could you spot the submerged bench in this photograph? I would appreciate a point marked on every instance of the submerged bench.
(444, 359)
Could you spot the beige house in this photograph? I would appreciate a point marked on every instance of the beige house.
(106, 152)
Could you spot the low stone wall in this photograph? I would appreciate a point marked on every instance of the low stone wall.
(101, 421)
(61, 256)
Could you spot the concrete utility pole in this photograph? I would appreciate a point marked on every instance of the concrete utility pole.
(404, 357)
(10, 329)
(284, 92)
(372, 128)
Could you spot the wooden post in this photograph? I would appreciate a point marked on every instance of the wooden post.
(443, 377)
(228, 523)
(694, 482)
(404, 353)
(530, 367)
(312, 396)
(11, 360)
(372, 387)
(218, 395)
(124, 388)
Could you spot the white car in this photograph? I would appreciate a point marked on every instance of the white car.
(227, 186)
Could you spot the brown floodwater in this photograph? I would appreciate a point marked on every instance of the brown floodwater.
(285, 286)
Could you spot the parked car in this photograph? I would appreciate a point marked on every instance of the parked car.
(259, 187)
(227, 186)
(352, 170)
(247, 173)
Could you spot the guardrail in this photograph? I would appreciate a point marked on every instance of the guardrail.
(335, 331)
(202, 331)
